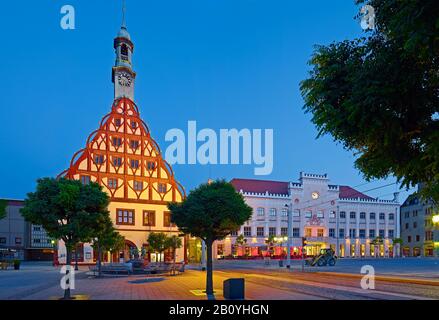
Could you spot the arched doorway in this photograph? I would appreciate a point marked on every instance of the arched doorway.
(129, 252)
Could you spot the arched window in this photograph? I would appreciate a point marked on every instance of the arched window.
(124, 51)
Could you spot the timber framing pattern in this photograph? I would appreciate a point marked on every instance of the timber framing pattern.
(125, 160)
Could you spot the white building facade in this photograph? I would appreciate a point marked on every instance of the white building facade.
(323, 215)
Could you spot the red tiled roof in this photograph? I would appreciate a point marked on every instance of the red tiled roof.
(260, 186)
(348, 192)
(279, 187)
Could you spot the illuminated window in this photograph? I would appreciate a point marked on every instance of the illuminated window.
(167, 219)
(320, 232)
(149, 218)
(308, 232)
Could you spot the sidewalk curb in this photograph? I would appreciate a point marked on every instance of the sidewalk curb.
(384, 278)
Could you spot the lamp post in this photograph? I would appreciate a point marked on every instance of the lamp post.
(55, 253)
(290, 235)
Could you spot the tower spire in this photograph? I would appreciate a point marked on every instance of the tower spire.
(124, 9)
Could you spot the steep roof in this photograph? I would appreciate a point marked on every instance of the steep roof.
(348, 192)
(281, 187)
(260, 186)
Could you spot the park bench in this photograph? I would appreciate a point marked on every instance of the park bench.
(117, 268)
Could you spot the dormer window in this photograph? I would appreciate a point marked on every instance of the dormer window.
(118, 122)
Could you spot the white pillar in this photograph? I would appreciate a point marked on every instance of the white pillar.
(290, 235)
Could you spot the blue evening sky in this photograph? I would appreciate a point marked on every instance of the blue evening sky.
(224, 63)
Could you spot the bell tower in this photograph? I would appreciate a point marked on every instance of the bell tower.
(123, 75)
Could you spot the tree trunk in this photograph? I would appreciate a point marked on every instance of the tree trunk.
(209, 268)
(68, 265)
(99, 259)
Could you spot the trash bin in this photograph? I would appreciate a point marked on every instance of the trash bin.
(234, 289)
(281, 263)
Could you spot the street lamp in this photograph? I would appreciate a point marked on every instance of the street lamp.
(289, 232)
(435, 219)
(55, 252)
